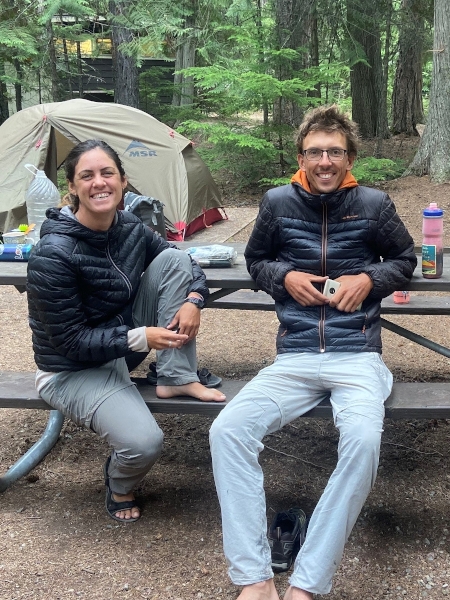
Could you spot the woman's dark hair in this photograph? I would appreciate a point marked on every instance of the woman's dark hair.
(72, 160)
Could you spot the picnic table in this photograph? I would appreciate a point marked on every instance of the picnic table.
(233, 288)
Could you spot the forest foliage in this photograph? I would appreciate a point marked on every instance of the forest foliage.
(246, 70)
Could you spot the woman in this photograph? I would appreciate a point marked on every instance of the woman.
(102, 286)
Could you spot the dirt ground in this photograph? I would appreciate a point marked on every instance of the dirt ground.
(57, 541)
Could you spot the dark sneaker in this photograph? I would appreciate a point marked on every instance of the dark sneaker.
(206, 378)
(286, 535)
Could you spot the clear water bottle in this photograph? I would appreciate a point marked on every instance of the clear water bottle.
(41, 194)
(432, 247)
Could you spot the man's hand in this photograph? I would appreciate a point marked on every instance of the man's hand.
(354, 289)
(300, 286)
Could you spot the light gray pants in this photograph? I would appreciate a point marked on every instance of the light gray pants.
(105, 399)
(162, 291)
(359, 383)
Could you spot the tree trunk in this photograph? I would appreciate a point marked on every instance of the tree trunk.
(18, 84)
(126, 76)
(39, 87)
(185, 58)
(53, 66)
(4, 110)
(293, 30)
(314, 51)
(177, 80)
(80, 71)
(434, 149)
(382, 127)
(366, 75)
(184, 89)
(79, 66)
(67, 65)
(407, 105)
(330, 58)
(261, 61)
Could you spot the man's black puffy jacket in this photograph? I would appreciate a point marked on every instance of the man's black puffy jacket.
(81, 287)
(347, 232)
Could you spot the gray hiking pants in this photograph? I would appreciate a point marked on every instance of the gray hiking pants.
(105, 399)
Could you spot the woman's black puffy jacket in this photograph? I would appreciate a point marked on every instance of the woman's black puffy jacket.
(347, 232)
(81, 287)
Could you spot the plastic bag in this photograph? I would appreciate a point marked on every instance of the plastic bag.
(213, 256)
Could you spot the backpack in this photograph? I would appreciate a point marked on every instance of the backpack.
(149, 210)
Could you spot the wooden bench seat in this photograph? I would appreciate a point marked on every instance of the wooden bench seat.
(418, 305)
(17, 391)
(415, 400)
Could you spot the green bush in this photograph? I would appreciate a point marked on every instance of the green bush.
(369, 170)
(233, 151)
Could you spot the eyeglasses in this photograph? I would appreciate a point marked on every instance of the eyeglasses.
(315, 154)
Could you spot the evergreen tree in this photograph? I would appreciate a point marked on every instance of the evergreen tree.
(17, 47)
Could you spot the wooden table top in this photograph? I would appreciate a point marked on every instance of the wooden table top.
(237, 277)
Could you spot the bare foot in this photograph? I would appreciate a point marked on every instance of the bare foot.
(194, 389)
(130, 513)
(264, 590)
(294, 593)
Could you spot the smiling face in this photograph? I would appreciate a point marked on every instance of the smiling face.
(99, 187)
(325, 176)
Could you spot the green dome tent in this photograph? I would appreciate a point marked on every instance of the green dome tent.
(158, 161)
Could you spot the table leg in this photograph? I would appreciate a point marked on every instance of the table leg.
(36, 453)
(414, 337)
(217, 294)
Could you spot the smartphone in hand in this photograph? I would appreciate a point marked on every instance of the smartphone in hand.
(331, 287)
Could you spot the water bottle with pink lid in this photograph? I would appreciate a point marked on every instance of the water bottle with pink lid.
(432, 246)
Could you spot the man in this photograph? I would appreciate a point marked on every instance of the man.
(323, 225)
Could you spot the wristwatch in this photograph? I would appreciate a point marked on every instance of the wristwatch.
(197, 301)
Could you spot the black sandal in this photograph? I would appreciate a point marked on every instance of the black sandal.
(111, 505)
(205, 377)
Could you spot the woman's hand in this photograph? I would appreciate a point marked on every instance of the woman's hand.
(186, 321)
(161, 338)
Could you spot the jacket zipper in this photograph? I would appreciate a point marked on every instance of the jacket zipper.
(324, 272)
(125, 278)
(363, 330)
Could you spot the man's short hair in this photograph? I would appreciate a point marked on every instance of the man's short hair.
(329, 119)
